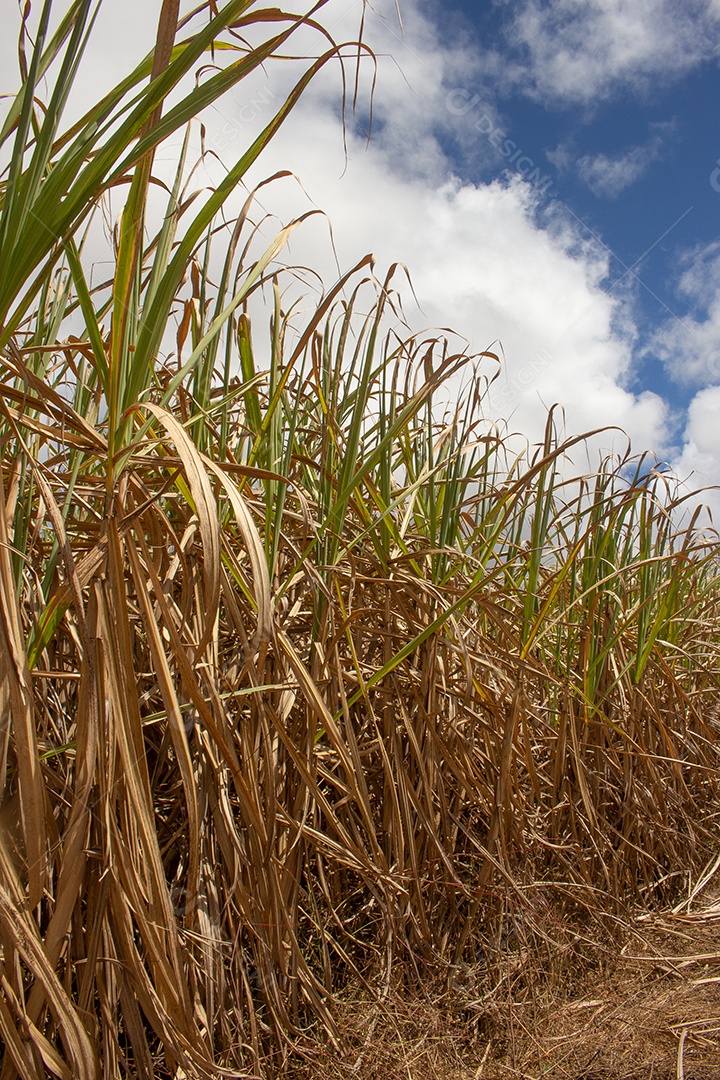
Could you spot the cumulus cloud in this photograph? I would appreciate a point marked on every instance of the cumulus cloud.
(494, 260)
(582, 52)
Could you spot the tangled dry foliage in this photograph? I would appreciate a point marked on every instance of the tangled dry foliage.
(642, 1003)
(311, 693)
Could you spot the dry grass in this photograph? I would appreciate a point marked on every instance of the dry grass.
(645, 1006)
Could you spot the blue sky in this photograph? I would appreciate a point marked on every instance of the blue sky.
(635, 158)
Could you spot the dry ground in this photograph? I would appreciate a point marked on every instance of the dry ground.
(643, 1007)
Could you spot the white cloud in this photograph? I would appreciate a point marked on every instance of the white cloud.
(699, 463)
(581, 52)
(607, 175)
(689, 344)
(486, 259)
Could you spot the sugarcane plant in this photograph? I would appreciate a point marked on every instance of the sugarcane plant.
(303, 674)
